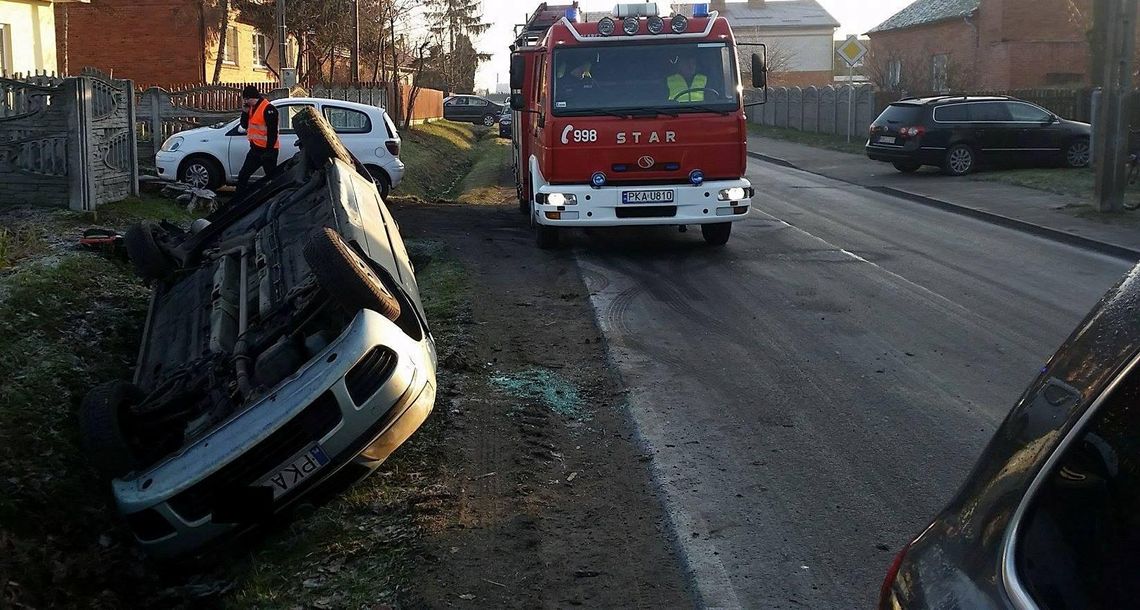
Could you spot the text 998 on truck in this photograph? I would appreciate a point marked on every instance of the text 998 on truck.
(635, 119)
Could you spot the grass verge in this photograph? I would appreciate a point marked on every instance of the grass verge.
(449, 161)
(71, 319)
(816, 140)
(1062, 181)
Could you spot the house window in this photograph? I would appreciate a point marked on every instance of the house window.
(939, 79)
(894, 72)
(5, 44)
(230, 51)
(260, 49)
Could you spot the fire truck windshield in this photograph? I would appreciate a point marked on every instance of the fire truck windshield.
(671, 78)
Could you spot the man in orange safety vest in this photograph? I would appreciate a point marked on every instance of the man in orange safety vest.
(260, 121)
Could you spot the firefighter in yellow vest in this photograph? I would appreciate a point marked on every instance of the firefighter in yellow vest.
(260, 121)
(686, 85)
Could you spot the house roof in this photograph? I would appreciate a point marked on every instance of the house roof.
(772, 14)
(923, 12)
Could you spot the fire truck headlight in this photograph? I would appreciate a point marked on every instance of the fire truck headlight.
(598, 179)
(697, 177)
(606, 26)
(561, 199)
(630, 25)
(656, 25)
(733, 194)
(679, 23)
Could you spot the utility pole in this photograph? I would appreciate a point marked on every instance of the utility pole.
(395, 95)
(355, 40)
(1112, 121)
(282, 55)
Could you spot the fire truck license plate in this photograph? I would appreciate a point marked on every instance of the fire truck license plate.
(665, 196)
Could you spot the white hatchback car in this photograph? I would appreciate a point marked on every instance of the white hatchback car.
(209, 157)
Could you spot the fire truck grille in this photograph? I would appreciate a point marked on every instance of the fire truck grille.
(649, 211)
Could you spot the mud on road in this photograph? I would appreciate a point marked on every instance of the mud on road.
(548, 497)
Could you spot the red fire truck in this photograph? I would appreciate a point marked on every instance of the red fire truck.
(633, 119)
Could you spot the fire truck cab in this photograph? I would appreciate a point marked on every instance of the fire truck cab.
(634, 119)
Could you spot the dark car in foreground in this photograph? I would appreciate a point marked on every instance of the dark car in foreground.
(506, 119)
(959, 133)
(285, 352)
(471, 109)
(1050, 516)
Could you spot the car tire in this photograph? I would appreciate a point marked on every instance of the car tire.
(959, 160)
(1078, 153)
(318, 140)
(147, 257)
(488, 120)
(347, 278)
(717, 233)
(546, 238)
(101, 433)
(381, 179)
(201, 171)
(907, 167)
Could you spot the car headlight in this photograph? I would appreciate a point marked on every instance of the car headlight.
(173, 144)
(561, 199)
(735, 193)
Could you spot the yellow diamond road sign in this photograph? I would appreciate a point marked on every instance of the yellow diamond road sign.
(852, 50)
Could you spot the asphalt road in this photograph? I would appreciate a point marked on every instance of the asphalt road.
(814, 393)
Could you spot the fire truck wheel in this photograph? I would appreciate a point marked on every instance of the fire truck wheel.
(717, 234)
(546, 237)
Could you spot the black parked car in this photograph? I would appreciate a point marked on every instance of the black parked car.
(506, 119)
(1050, 516)
(959, 133)
(471, 109)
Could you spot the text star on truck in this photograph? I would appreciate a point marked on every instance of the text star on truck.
(633, 119)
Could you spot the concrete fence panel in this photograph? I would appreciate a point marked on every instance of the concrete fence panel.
(827, 103)
(769, 109)
(843, 116)
(864, 110)
(781, 95)
(811, 110)
(796, 108)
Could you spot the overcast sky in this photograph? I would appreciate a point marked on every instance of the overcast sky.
(857, 16)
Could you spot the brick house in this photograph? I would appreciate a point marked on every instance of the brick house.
(799, 35)
(160, 42)
(27, 36)
(962, 45)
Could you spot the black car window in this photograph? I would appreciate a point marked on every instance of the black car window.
(989, 112)
(478, 101)
(1027, 113)
(1080, 541)
(954, 113)
(901, 114)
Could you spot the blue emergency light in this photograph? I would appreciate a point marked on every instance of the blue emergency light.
(573, 15)
(598, 179)
(697, 177)
(700, 10)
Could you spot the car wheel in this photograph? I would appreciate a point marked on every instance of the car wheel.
(147, 257)
(907, 167)
(380, 178)
(318, 140)
(347, 278)
(101, 418)
(1078, 153)
(488, 120)
(546, 237)
(716, 234)
(201, 172)
(959, 160)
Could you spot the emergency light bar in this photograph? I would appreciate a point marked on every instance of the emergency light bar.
(646, 9)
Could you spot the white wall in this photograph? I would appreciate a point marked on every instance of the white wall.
(810, 50)
(30, 27)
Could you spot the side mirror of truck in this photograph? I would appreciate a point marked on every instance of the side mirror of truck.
(517, 101)
(518, 71)
(759, 72)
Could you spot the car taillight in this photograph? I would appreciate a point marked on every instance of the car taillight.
(393, 147)
(877, 128)
(889, 581)
(912, 132)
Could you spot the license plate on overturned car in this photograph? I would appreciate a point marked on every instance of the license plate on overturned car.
(663, 196)
(295, 471)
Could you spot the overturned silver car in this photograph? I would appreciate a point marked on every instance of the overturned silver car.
(286, 352)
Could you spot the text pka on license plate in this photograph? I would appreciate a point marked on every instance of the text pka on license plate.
(295, 471)
(661, 196)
